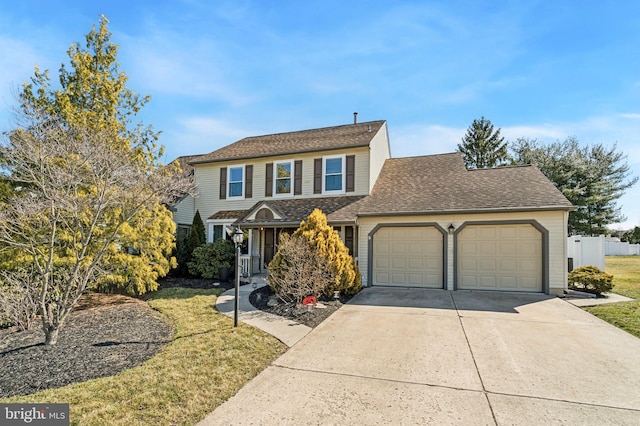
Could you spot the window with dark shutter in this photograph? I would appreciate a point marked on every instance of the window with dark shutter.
(268, 181)
(223, 183)
(297, 181)
(248, 189)
(351, 173)
(317, 176)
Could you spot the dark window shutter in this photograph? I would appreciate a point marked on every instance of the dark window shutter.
(268, 181)
(297, 177)
(317, 176)
(248, 181)
(351, 173)
(223, 183)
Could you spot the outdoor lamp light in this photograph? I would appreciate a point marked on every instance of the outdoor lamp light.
(451, 228)
(238, 237)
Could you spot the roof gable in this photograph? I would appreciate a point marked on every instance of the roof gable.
(324, 139)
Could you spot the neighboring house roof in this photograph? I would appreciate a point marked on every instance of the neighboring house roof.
(293, 210)
(442, 184)
(185, 163)
(328, 138)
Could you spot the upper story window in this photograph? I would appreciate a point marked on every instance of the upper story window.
(236, 181)
(283, 176)
(333, 174)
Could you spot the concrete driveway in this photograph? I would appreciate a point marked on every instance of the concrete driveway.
(412, 356)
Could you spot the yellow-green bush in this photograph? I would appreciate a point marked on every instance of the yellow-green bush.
(328, 245)
(590, 279)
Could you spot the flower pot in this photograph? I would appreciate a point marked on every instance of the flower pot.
(223, 274)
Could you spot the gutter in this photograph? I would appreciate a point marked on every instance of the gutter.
(468, 211)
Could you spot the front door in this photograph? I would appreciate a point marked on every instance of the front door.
(269, 245)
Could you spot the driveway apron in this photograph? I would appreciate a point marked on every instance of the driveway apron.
(417, 356)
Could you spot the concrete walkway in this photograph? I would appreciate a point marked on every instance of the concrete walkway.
(287, 331)
(409, 356)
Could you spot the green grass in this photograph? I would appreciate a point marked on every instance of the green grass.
(626, 274)
(626, 281)
(206, 363)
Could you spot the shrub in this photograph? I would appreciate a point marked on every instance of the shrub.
(341, 267)
(297, 271)
(209, 258)
(590, 279)
(328, 244)
(197, 234)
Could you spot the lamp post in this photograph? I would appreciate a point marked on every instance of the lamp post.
(238, 237)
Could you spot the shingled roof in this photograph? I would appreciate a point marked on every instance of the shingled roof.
(442, 184)
(295, 210)
(328, 138)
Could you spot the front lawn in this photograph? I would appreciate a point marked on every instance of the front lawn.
(626, 281)
(206, 363)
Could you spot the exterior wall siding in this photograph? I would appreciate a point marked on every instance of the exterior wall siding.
(208, 180)
(184, 211)
(380, 152)
(555, 222)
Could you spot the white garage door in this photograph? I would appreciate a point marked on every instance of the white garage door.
(408, 257)
(500, 257)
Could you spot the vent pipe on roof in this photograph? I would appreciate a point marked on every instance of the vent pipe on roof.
(355, 118)
(369, 128)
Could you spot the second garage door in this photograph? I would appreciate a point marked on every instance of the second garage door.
(499, 257)
(408, 257)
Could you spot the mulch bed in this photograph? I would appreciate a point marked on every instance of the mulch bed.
(300, 314)
(105, 335)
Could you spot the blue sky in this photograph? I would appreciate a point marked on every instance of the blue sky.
(218, 71)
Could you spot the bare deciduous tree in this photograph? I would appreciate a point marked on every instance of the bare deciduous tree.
(72, 217)
(18, 299)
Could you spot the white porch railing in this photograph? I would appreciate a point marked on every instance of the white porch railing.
(245, 267)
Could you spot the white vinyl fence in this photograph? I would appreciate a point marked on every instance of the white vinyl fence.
(618, 248)
(586, 251)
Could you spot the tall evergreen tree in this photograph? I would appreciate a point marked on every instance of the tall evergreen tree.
(197, 235)
(482, 147)
(592, 177)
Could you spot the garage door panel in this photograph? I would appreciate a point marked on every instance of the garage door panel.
(507, 248)
(488, 281)
(381, 263)
(528, 265)
(499, 257)
(486, 233)
(382, 277)
(408, 256)
(415, 264)
(530, 249)
(468, 247)
(487, 248)
(507, 232)
(488, 265)
(508, 265)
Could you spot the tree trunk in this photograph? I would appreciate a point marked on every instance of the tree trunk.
(50, 335)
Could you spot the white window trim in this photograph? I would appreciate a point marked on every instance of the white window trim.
(291, 178)
(244, 178)
(224, 222)
(344, 174)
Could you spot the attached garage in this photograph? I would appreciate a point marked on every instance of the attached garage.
(496, 256)
(408, 256)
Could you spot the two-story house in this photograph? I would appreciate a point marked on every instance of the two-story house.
(413, 222)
